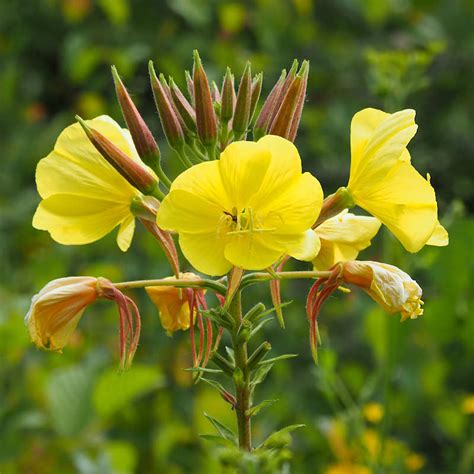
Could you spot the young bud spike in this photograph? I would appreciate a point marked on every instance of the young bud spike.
(266, 113)
(256, 91)
(227, 97)
(183, 107)
(142, 137)
(190, 87)
(242, 106)
(130, 169)
(205, 116)
(304, 71)
(216, 95)
(168, 117)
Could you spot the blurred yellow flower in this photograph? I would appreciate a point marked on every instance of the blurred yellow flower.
(347, 468)
(390, 287)
(414, 462)
(373, 412)
(384, 182)
(247, 209)
(343, 237)
(172, 304)
(57, 308)
(468, 405)
(84, 197)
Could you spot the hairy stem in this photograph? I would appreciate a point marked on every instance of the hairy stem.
(241, 376)
(179, 283)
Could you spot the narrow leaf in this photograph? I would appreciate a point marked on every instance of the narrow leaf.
(254, 410)
(222, 429)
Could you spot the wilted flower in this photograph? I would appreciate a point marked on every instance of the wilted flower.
(247, 209)
(390, 287)
(343, 237)
(383, 180)
(173, 304)
(56, 310)
(84, 197)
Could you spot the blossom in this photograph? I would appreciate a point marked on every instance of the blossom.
(84, 197)
(373, 412)
(384, 182)
(247, 209)
(343, 237)
(390, 287)
(172, 304)
(57, 308)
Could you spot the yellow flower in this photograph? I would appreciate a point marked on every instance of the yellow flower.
(84, 197)
(468, 405)
(384, 182)
(247, 209)
(57, 308)
(347, 468)
(414, 462)
(343, 237)
(172, 304)
(390, 287)
(373, 412)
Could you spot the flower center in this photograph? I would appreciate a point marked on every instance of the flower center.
(244, 222)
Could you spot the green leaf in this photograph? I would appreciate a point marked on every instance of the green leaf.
(259, 326)
(254, 410)
(219, 440)
(271, 310)
(203, 369)
(222, 429)
(115, 390)
(278, 358)
(260, 374)
(215, 384)
(278, 436)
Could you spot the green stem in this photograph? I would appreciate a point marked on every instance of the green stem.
(241, 377)
(179, 283)
(264, 276)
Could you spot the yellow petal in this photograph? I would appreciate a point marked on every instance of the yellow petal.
(439, 237)
(378, 140)
(292, 209)
(243, 166)
(405, 202)
(75, 220)
(125, 233)
(205, 252)
(304, 246)
(343, 236)
(182, 211)
(284, 167)
(253, 251)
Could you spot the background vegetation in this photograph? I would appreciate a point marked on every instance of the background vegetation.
(386, 397)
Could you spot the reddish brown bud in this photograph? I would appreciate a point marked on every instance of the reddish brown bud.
(206, 120)
(227, 97)
(216, 95)
(242, 106)
(266, 114)
(142, 137)
(183, 107)
(190, 86)
(168, 116)
(130, 169)
(283, 119)
(295, 123)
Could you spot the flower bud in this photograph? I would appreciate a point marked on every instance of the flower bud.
(142, 137)
(268, 109)
(242, 106)
(130, 169)
(183, 107)
(216, 95)
(390, 287)
(190, 87)
(334, 204)
(172, 304)
(295, 123)
(282, 121)
(169, 120)
(205, 114)
(256, 91)
(227, 97)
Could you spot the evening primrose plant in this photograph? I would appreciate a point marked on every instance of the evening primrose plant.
(239, 210)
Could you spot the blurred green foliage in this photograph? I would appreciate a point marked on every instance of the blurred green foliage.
(74, 412)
